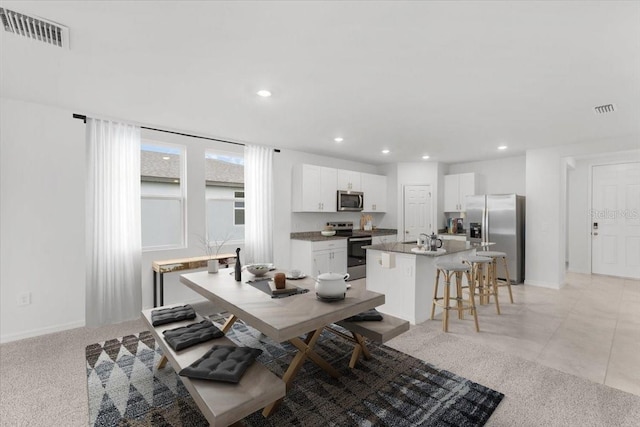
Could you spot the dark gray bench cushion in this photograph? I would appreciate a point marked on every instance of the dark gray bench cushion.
(222, 363)
(173, 314)
(373, 315)
(195, 333)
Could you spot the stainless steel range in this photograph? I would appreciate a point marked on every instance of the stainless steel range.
(356, 255)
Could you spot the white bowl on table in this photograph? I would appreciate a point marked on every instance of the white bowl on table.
(258, 269)
(328, 233)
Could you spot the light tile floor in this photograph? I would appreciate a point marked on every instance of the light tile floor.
(590, 328)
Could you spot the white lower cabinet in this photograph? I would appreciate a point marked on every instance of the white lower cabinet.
(323, 256)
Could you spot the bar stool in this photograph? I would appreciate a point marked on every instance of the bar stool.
(493, 269)
(449, 269)
(485, 288)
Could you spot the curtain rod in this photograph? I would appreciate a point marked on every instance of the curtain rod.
(84, 119)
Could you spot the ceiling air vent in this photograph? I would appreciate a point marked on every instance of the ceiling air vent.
(35, 28)
(604, 109)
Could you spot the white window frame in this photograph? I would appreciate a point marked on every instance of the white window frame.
(182, 198)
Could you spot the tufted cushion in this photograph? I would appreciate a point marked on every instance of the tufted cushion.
(492, 254)
(222, 363)
(481, 259)
(173, 314)
(368, 315)
(192, 334)
(453, 266)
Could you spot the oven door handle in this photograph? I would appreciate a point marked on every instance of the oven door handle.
(362, 239)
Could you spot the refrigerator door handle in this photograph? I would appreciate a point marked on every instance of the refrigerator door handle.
(485, 225)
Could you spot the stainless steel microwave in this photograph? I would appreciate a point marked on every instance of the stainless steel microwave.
(350, 200)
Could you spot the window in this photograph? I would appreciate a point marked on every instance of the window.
(225, 196)
(238, 206)
(162, 196)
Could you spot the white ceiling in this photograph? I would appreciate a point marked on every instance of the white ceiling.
(450, 79)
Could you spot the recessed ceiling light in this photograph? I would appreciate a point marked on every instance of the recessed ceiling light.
(166, 158)
(338, 139)
(502, 147)
(425, 157)
(385, 151)
(263, 93)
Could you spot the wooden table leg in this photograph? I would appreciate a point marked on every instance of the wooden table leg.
(229, 323)
(162, 362)
(360, 348)
(305, 350)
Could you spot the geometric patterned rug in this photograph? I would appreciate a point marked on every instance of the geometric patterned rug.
(391, 389)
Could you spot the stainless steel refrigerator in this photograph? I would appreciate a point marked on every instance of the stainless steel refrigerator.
(499, 219)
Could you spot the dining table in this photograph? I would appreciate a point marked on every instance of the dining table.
(298, 318)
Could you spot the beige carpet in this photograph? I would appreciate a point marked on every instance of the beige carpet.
(43, 381)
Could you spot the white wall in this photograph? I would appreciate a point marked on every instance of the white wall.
(546, 223)
(42, 216)
(498, 176)
(578, 208)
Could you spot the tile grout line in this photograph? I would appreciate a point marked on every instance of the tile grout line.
(564, 320)
(613, 338)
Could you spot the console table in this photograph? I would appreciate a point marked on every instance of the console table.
(171, 265)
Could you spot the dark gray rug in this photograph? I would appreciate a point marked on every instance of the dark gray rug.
(392, 388)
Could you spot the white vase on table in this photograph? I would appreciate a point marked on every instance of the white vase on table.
(212, 265)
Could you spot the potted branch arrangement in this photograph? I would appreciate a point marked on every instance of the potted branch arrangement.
(212, 248)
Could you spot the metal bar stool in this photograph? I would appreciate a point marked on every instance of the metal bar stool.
(485, 288)
(449, 269)
(493, 269)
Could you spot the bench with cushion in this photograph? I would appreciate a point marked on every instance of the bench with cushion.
(379, 331)
(221, 403)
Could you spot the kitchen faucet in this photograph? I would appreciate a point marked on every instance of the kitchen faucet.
(421, 242)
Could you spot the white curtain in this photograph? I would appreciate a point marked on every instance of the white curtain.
(258, 197)
(113, 223)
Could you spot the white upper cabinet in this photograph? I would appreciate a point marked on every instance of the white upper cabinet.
(349, 180)
(313, 189)
(456, 188)
(374, 188)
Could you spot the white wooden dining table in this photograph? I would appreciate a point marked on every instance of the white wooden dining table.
(298, 319)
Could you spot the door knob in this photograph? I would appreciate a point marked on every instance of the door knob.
(406, 232)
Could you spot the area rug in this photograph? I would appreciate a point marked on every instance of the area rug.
(392, 388)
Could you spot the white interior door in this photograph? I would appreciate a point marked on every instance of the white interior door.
(615, 220)
(417, 211)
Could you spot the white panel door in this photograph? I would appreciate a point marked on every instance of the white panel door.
(417, 211)
(615, 220)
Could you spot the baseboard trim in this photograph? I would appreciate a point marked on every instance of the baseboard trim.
(41, 331)
(541, 284)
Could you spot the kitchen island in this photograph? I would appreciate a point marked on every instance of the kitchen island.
(407, 278)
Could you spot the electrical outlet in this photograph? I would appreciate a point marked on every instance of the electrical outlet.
(24, 298)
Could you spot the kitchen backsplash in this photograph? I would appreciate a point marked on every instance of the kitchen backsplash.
(311, 221)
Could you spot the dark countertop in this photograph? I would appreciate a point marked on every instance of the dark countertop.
(450, 246)
(315, 236)
(444, 231)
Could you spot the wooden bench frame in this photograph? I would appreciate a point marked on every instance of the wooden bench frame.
(221, 403)
(378, 331)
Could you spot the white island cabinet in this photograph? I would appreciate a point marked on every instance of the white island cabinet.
(408, 282)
